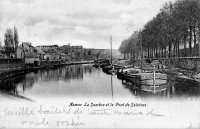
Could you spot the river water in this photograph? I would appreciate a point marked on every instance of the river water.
(80, 81)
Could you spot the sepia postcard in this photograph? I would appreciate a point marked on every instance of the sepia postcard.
(84, 64)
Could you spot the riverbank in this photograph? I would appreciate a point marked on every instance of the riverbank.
(124, 62)
(168, 64)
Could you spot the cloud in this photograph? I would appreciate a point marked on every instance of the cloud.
(89, 22)
(122, 1)
(82, 30)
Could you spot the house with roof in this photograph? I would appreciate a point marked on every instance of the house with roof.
(51, 53)
(20, 53)
(47, 47)
(28, 53)
(40, 52)
(66, 49)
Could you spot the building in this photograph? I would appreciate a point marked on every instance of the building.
(20, 52)
(50, 52)
(41, 53)
(46, 47)
(29, 53)
(66, 49)
(51, 56)
(76, 48)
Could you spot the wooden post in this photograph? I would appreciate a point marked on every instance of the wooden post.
(154, 78)
(111, 48)
(141, 54)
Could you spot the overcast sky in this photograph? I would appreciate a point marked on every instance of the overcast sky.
(78, 22)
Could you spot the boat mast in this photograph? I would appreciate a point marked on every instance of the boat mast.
(154, 79)
(111, 47)
(111, 64)
(141, 53)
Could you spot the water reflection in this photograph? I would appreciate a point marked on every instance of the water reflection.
(75, 72)
(111, 85)
(63, 73)
(87, 81)
(20, 83)
(186, 90)
(9, 85)
(171, 89)
(87, 69)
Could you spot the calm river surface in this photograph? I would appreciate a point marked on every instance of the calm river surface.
(85, 81)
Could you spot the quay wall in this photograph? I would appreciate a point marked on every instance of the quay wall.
(17, 67)
(10, 63)
(45, 63)
(187, 63)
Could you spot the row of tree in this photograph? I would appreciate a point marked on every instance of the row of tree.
(174, 32)
(11, 40)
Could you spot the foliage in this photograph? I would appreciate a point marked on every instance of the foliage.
(177, 24)
(16, 39)
(89, 53)
(9, 43)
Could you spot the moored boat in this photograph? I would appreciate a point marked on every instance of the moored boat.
(117, 67)
(104, 63)
(140, 78)
(106, 69)
(101, 63)
(183, 79)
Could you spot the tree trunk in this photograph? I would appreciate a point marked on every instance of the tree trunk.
(174, 53)
(148, 50)
(160, 52)
(169, 50)
(190, 41)
(195, 42)
(185, 50)
(178, 51)
(156, 51)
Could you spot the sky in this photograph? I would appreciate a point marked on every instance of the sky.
(89, 23)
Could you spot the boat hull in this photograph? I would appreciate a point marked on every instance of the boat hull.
(153, 89)
(106, 69)
(187, 81)
(147, 79)
(135, 79)
(156, 82)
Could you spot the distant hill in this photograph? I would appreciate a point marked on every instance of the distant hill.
(106, 53)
